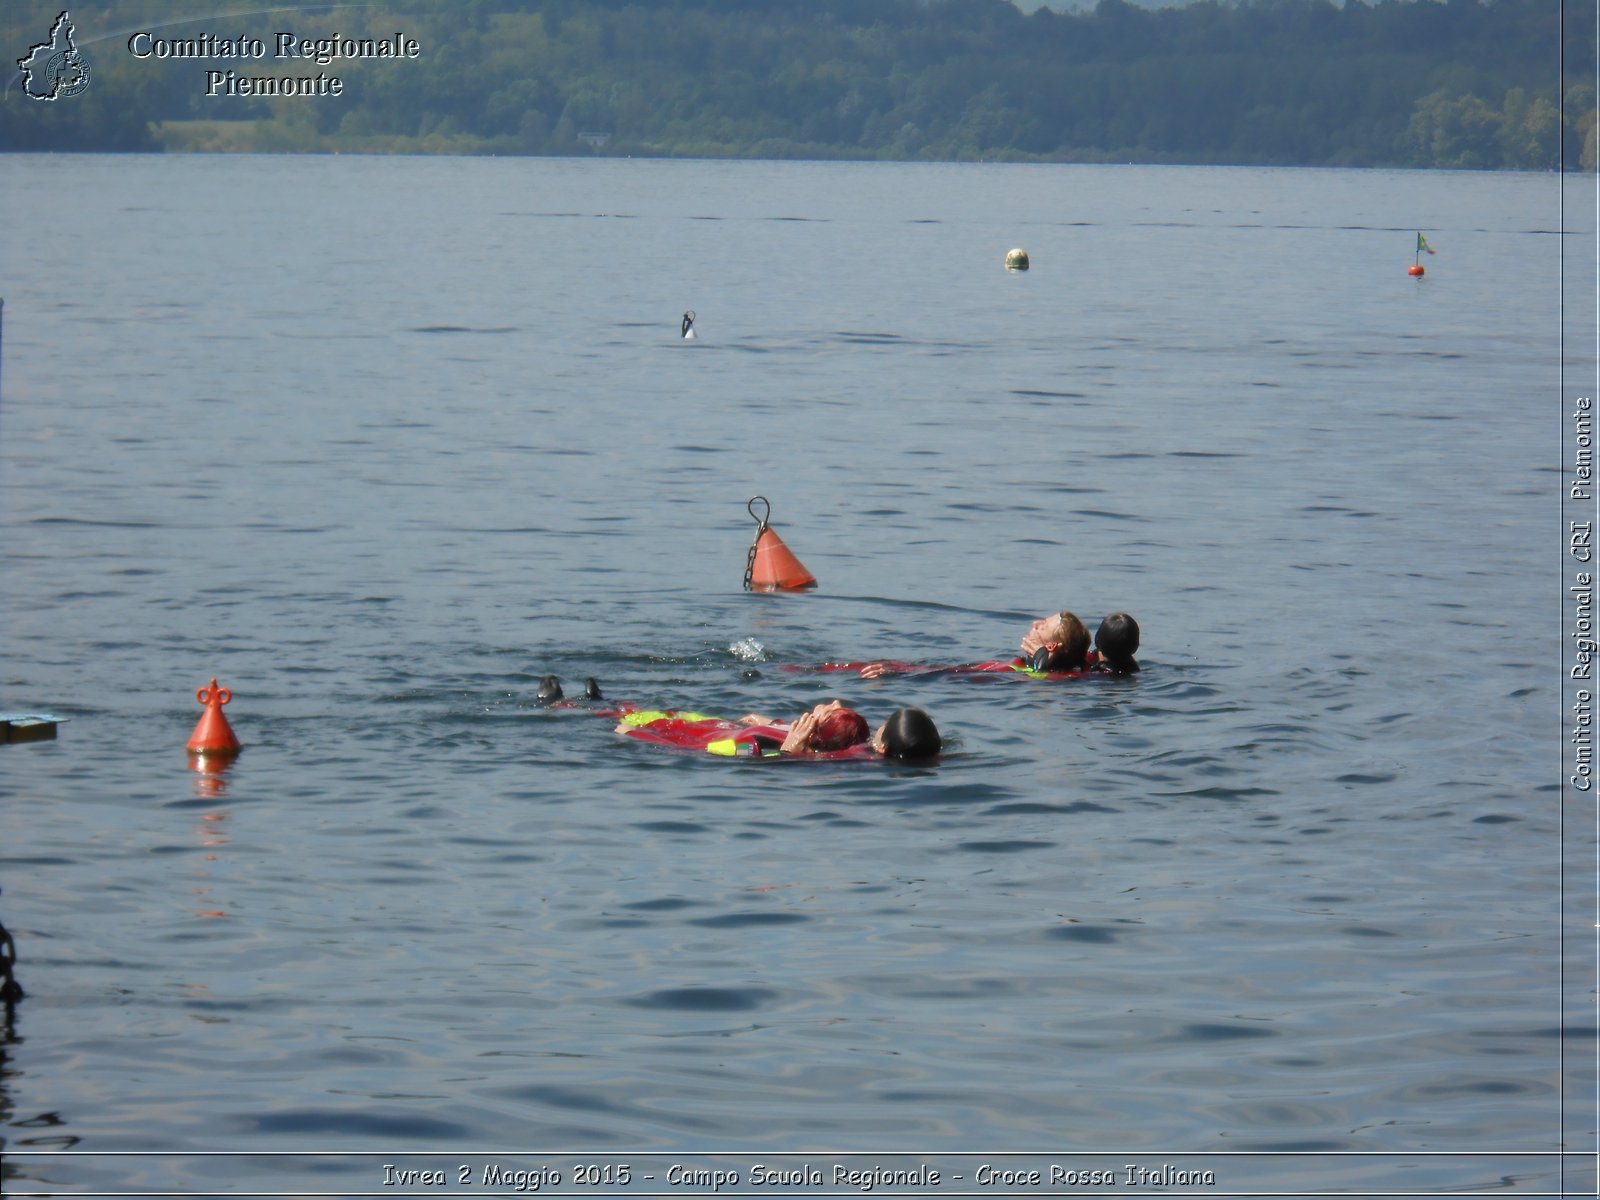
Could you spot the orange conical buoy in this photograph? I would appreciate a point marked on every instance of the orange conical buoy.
(775, 566)
(772, 566)
(213, 735)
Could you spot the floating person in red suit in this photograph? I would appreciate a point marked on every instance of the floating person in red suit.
(1055, 647)
(830, 730)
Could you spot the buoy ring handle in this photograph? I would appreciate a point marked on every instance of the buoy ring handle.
(213, 694)
(761, 528)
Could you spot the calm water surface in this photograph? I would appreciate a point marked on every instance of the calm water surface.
(379, 442)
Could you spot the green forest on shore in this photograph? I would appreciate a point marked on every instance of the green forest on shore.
(1480, 84)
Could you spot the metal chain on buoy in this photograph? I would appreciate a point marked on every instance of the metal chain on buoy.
(761, 527)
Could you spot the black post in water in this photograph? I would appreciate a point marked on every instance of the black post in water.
(10, 989)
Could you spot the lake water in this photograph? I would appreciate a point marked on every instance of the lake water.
(379, 442)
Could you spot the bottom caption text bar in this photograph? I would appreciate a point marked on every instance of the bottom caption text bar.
(817, 1176)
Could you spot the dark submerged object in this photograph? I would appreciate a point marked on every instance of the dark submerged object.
(10, 989)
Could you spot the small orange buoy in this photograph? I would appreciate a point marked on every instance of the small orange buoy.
(771, 565)
(213, 735)
(1416, 270)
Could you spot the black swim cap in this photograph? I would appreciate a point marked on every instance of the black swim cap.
(1118, 637)
(910, 733)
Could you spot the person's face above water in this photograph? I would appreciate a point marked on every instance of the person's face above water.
(1046, 631)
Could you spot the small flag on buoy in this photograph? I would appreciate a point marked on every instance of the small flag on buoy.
(771, 566)
(213, 735)
(1416, 268)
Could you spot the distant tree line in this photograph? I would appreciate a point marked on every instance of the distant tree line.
(1425, 83)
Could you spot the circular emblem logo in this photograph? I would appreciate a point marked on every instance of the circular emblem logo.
(68, 74)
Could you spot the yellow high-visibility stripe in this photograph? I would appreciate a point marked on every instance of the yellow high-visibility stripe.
(646, 717)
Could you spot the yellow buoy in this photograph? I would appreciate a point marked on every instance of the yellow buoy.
(1017, 260)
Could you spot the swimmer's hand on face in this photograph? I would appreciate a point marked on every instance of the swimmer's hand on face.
(799, 739)
(799, 734)
(1046, 631)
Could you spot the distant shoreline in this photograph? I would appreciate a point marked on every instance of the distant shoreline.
(1386, 84)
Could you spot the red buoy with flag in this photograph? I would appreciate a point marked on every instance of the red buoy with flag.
(213, 736)
(771, 566)
(1416, 269)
